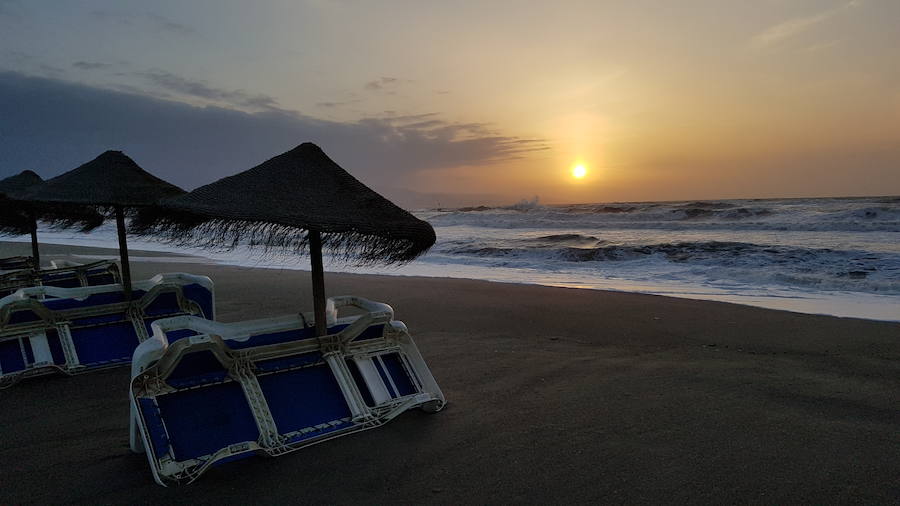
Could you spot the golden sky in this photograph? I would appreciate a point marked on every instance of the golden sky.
(658, 100)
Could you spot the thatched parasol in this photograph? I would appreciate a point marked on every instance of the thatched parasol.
(112, 183)
(300, 200)
(19, 216)
(16, 219)
(13, 185)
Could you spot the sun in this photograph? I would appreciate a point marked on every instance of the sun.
(579, 171)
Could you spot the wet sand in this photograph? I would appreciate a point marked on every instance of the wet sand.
(555, 396)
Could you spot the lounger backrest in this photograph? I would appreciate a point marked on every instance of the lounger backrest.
(16, 263)
(270, 385)
(14, 280)
(104, 272)
(96, 329)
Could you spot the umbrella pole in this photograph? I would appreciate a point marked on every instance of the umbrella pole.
(318, 282)
(123, 252)
(35, 253)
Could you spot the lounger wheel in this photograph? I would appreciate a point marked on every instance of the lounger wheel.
(432, 406)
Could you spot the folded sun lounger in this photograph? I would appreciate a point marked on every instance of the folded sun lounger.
(16, 263)
(204, 393)
(46, 329)
(69, 274)
(63, 274)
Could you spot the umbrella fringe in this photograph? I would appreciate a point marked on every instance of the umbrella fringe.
(274, 206)
(15, 217)
(352, 247)
(82, 218)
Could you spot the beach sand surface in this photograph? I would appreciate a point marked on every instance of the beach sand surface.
(554, 395)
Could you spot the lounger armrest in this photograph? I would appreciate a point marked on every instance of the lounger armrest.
(367, 305)
(147, 353)
(62, 264)
(376, 312)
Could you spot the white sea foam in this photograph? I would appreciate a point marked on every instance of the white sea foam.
(829, 256)
(850, 215)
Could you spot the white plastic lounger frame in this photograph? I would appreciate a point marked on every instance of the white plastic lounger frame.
(270, 386)
(63, 274)
(41, 327)
(19, 263)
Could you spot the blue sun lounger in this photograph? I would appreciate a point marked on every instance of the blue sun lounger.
(63, 275)
(70, 275)
(269, 387)
(73, 330)
(16, 263)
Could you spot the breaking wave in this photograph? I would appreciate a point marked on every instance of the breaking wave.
(850, 245)
(818, 268)
(870, 214)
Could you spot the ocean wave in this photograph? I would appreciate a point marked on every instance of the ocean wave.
(725, 252)
(526, 205)
(606, 209)
(824, 268)
(709, 205)
(554, 240)
(852, 215)
(851, 266)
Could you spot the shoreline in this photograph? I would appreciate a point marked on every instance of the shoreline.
(85, 254)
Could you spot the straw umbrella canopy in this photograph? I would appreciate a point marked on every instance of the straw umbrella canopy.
(300, 200)
(17, 220)
(112, 183)
(14, 217)
(13, 185)
(19, 216)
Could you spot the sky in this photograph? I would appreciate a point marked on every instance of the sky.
(467, 103)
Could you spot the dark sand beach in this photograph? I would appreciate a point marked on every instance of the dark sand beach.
(555, 396)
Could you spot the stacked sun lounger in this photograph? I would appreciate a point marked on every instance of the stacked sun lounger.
(62, 274)
(46, 329)
(204, 393)
(16, 263)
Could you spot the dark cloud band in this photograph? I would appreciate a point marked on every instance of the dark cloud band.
(51, 125)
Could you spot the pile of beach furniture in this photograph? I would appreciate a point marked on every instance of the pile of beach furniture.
(203, 392)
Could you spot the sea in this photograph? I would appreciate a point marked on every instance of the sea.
(834, 256)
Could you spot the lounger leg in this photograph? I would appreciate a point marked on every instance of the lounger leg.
(68, 347)
(268, 431)
(137, 321)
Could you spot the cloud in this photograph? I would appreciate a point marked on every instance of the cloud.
(167, 25)
(200, 89)
(90, 65)
(19, 57)
(427, 124)
(53, 126)
(392, 116)
(381, 83)
(780, 32)
(113, 17)
(51, 70)
(333, 105)
(821, 46)
(150, 20)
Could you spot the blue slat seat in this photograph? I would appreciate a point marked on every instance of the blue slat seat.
(62, 275)
(74, 330)
(269, 386)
